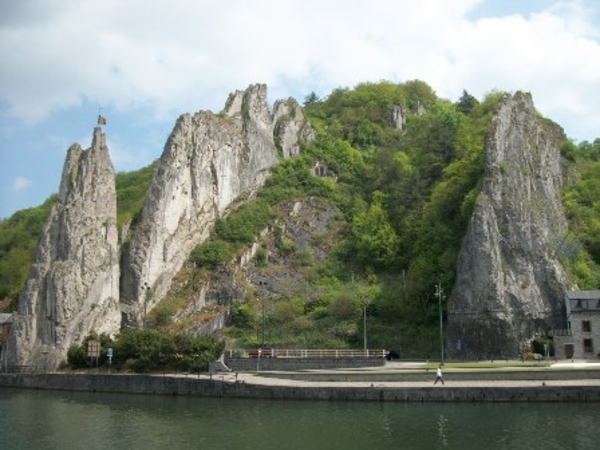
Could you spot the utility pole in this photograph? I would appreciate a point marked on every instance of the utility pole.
(262, 340)
(146, 296)
(439, 293)
(365, 326)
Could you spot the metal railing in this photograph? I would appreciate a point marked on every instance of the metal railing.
(559, 332)
(22, 369)
(320, 353)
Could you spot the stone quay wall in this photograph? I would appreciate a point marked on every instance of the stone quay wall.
(202, 387)
(293, 364)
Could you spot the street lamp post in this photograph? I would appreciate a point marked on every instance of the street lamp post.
(365, 326)
(365, 303)
(146, 295)
(439, 293)
(262, 339)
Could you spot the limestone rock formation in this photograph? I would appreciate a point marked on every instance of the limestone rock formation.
(290, 127)
(208, 162)
(312, 225)
(509, 283)
(78, 284)
(73, 286)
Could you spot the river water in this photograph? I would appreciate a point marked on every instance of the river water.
(39, 420)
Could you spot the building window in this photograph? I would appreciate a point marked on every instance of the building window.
(582, 304)
(586, 326)
(588, 346)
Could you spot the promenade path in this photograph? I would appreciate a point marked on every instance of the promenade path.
(383, 376)
(394, 382)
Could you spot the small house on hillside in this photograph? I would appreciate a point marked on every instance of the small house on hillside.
(581, 340)
(5, 325)
(321, 170)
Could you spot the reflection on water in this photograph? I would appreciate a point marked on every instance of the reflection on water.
(69, 420)
(442, 426)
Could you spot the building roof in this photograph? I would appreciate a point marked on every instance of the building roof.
(583, 295)
(584, 301)
(5, 318)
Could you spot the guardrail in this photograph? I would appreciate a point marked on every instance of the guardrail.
(22, 369)
(317, 353)
(559, 332)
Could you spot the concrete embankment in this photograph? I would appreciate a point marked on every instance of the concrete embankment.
(257, 386)
(425, 376)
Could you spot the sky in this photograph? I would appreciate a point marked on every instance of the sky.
(141, 64)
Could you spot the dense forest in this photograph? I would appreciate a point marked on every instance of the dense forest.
(406, 194)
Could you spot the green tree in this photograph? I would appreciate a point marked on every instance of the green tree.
(19, 237)
(150, 350)
(466, 103)
(131, 192)
(374, 239)
(311, 99)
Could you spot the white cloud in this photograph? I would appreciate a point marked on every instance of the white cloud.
(20, 183)
(183, 55)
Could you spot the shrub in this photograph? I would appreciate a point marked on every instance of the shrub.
(243, 226)
(150, 350)
(538, 346)
(261, 257)
(77, 355)
(287, 247)
(212, 254)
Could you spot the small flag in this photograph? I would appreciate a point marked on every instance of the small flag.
(101, 120)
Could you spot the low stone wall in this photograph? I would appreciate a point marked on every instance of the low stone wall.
(192, 386)
(293, 364)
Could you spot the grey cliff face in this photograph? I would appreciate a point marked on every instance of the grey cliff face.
(509, 284)
(73, 284)
(77, 283)
(208, 162)
(290, 127)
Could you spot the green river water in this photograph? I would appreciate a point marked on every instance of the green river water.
(39, 420)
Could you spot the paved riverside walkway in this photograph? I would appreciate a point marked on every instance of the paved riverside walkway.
(471, 377)
(393, 382)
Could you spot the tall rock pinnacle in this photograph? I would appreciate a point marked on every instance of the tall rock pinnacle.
(209, 160)
(82, 280)
(73, 287)
(509, 283)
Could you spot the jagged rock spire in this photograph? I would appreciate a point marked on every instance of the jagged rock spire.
(509, 284)
(208, 162)
(73, 284)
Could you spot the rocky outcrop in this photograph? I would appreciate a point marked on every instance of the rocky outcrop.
(304, 233)
(208, 162)
(290, 127)
(73, 286)
(77, 283)
(509, 283)
(398, 117)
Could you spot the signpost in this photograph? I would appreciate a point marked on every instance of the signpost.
(258, 359)
(109, 355)
(94, 351)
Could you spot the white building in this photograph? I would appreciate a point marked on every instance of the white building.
(581, 340)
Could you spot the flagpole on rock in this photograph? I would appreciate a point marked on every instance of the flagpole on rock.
(101, 118)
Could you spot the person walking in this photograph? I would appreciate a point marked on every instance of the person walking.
(439, 376)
